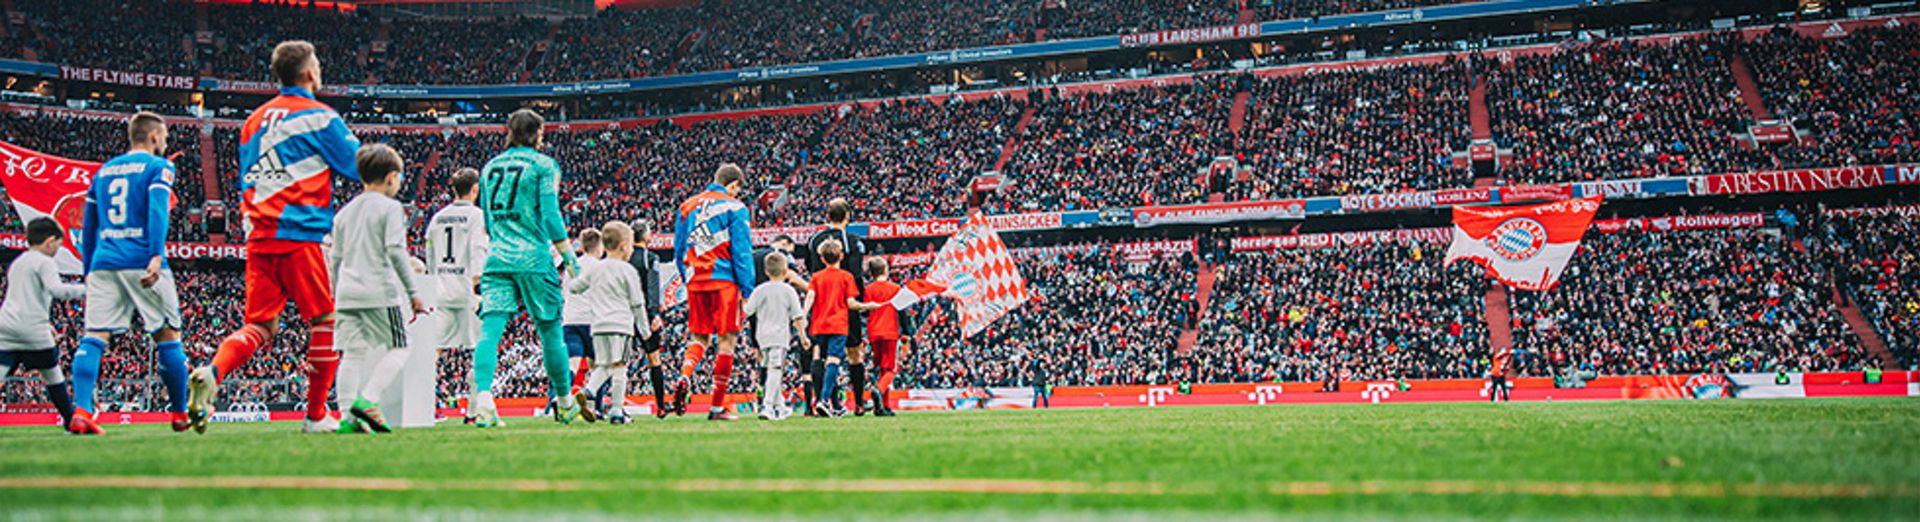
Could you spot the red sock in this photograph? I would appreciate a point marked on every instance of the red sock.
(722, 372)
(580, 375)
(886, 385)
(323, 364)
(695, 351)
(236, 349)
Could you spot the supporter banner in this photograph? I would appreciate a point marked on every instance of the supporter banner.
(1147, 250)
(1679, 223)
(1903, 174)
(1144, 217)
(136, 79)
(909, 259)
(1772, 133)
(1608, 189)
(1905, 211)
(948, 226)
(1535, 192)
(1803, 180)
(1465, 196)
(1300, 241)
(1384, 202)
(42, 185)
(1525, 247)
(1189, 36)
(254, 87)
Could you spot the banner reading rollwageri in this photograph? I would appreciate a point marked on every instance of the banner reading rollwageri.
(44, 185)
(1525, 247)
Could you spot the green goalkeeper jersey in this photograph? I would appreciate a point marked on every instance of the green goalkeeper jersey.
(520, 192)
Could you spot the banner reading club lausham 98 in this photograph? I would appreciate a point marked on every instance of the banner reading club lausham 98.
(1525, 247)
(43, 185)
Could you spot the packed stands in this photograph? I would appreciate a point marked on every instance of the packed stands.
(1879, 259)
(1372, 131)
(1368, 311)
(1853, 95)
(1742, 300)
(98, 139)
(1120, 149)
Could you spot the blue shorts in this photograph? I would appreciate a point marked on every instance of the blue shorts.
(831, 345)
(579, 339)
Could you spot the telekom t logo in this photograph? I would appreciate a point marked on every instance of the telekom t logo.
(1156, 396)
(1377, 391)
(1486, 388)
(1262, 394)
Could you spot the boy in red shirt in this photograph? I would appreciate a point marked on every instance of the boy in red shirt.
(831, 298)
(883, 336)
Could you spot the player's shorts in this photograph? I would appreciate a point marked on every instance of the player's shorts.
(610, 348)
(713, 312)
(370, 328)
(113, 296)
(298, 274)
(886, 354)
(30, 359)
(831, 345)
(856, 328)
(539, 292)
(579, 339)
(459, 328)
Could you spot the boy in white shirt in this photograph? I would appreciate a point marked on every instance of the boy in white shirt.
(372, 276)
(611, 293)
(26, 331)
(777, 313)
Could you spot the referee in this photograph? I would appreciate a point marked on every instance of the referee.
(644, 262)
(839, 214)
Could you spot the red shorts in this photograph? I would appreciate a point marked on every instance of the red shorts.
(886, 354)
(713, 311)
(287, 272)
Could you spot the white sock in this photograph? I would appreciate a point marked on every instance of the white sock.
(383, 374)
(617, 392)
(595, 377)
(776, 363)
(352, 375)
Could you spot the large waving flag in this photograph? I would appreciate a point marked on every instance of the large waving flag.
(1525, 247)
(976, 271)
(44, 185)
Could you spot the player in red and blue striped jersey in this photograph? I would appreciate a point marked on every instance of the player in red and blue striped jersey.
(291, 148)
(713, 249)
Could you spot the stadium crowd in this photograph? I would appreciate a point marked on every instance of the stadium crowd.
(1745, 300)
(1879, 258)
(1851, 95)
(612, 44)
(98, 139)
(1370, 311)
(1356, 132)
(1122, 148)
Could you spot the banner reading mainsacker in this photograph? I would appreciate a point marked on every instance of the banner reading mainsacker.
(1525, 247)
(976, 271)
(42, 185)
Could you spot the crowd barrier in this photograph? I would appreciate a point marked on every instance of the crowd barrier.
(1698, 386)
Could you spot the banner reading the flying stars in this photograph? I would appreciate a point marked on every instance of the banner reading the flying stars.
(43, 185)
(976, 271)
(1525, 247)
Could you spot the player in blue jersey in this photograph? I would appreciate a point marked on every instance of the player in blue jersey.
(123, 244)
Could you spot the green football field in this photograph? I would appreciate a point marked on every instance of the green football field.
(1855, 459)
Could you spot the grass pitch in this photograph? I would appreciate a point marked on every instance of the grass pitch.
(1790, 459)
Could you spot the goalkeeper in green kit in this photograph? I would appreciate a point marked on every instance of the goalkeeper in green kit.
(520, 194)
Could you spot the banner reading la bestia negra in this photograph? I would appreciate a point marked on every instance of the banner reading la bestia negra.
(1525, 247)
(42, 185)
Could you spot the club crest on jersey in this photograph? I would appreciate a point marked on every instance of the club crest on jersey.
(1517, 239)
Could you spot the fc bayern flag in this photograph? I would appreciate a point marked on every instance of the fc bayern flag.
(977, 272)
(1525, 247)
(44, 185)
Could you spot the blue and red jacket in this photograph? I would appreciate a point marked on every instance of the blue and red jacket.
(290, 150)
(712, 243)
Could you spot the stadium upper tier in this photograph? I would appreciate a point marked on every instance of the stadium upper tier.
(1607, 110)
(231, 41)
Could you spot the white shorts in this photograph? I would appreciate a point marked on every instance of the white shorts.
(611, 348)
(370, 328)
(113, 296)
(459, 328)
